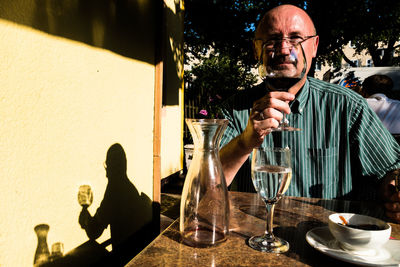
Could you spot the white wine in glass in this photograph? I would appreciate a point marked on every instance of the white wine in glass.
(271, 174)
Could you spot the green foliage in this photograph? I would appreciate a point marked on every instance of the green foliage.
(228, 27)
(366, 23)
(213, 80)
(225, 25)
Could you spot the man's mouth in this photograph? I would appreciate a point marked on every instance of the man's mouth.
(283, 62)
(283, 65)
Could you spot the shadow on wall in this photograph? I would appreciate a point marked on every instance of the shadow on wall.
(173, 72)
(129, 28)
(133, 218)
(126, 27)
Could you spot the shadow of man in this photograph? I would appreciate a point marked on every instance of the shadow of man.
(129, 214)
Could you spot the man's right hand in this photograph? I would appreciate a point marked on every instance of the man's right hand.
(84, 217)
(265, 114)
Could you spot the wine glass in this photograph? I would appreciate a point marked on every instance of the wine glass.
(271, 173)
(85, 196)
(57, 250)
(282, 64)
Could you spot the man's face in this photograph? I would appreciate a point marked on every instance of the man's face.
(279, 41)
(283, 56)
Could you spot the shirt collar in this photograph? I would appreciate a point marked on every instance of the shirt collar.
(379, 96)
(297, 105)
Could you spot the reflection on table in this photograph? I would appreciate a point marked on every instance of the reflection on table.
(294, 217)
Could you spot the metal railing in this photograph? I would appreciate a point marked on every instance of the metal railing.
(191, 110)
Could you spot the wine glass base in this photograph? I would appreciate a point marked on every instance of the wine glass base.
(284, 129)
(261, 243)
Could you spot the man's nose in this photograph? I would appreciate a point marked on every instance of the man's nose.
(283, 47)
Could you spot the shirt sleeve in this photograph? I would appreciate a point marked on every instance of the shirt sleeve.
(230, 131)
(236, 110)
(103, 212)
(378, 151)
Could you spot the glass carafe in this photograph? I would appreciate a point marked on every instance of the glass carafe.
(204, 214)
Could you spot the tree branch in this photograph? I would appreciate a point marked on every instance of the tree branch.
(348, 61)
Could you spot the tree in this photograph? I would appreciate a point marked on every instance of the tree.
(228, 27)
(213, 80)
(225, 25)
(372, 25)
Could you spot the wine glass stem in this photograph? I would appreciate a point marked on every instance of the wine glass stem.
(270, 218)
(284, 122)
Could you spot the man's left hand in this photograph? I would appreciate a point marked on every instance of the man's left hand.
(391, 196)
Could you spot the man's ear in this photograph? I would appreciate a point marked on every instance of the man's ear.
(315, 46)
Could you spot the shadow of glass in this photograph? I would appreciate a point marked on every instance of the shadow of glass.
(89, 253)
(258, 211)
(369, 208)
(299, 247)
(295, 235)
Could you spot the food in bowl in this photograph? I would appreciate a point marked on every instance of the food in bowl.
(359, 232)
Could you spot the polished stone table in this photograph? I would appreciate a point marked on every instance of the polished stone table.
(294, 216)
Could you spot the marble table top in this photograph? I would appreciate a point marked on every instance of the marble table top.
(294, 217)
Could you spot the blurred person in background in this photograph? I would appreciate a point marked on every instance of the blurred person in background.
(376, 89)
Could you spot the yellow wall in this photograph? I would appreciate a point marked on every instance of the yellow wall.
(171, 114)
(73, 84)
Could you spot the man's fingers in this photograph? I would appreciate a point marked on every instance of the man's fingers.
(284, 96)
(257, 115)
(395, 216)
(268, 113)
(395, 197)
(392, 206)
(264, 126)
(271, 103)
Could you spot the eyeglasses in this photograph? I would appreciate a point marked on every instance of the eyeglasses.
(292, 40)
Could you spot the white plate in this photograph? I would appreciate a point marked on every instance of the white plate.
(322, 240)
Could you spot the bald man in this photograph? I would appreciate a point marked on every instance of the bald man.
(343, 150)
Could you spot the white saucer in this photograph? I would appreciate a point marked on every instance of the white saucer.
(322, 240)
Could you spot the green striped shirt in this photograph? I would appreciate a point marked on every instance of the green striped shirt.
(342, 151)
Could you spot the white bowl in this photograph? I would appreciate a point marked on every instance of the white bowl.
(359, 239)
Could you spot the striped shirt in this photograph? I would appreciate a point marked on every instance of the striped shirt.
(342, 150)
